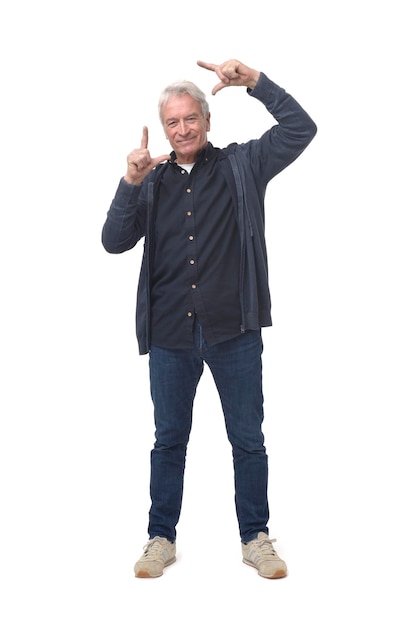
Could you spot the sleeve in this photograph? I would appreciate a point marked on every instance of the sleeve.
(126, 218)
(286, 140)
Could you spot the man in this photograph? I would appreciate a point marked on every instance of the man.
(203, 293)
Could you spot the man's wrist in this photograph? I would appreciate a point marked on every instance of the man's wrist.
(131, 181)
(254, 80)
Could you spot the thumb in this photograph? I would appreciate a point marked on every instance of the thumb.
(218, 87)
(161, 159)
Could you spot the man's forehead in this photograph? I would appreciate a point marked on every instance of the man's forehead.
(180, 103)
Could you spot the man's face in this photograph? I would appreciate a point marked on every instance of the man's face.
(185, 127)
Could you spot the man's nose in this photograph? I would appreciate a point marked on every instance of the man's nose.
(183, 127)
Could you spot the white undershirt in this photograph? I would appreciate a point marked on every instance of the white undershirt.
(187, 166)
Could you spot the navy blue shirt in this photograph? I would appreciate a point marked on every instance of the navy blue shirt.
(196, 255)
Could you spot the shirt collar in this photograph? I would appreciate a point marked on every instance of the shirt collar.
(207, 153)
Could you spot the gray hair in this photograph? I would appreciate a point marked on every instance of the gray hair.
(180, 88)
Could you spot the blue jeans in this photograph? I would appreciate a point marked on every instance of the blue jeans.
(236, 366)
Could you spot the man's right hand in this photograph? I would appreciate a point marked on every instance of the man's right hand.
(140, 162)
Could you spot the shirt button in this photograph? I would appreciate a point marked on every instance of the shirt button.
(190, 237)
(193, 286)
(192, 262)
(188, 213)
(188, 190)
(189, 314)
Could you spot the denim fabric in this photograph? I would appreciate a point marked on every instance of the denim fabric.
(236, 366)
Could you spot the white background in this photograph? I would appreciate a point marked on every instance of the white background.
(79, 80)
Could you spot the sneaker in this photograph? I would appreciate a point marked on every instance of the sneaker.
(260, 554)
(158, 553)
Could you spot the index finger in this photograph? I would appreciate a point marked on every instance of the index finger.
(207, 66)
(144, 141)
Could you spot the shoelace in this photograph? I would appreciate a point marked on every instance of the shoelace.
(153, 548)
(265, 547)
